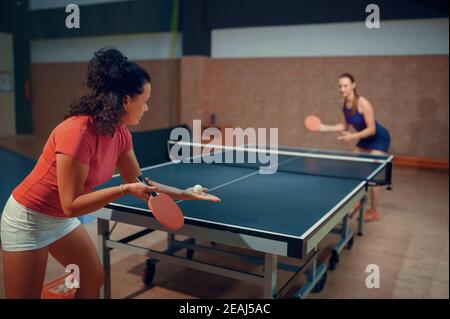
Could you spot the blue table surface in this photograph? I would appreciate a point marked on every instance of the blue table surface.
(288, 202)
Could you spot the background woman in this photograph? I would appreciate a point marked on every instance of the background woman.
(371, 136)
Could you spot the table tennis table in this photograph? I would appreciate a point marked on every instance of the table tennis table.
(284, 214)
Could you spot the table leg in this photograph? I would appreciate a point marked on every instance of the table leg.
(316, 278)
(361, 216)
(311, 272)
(104, 253)
(270, 275)
(345, 228)
(170, 241)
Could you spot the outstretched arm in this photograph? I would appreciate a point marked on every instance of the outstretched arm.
(71, 177)
(129, 170)
(340, 127)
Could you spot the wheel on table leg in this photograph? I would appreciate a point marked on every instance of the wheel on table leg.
(350, 244)
(321, 284)
(190, 254)
(334, 260)
(149, 273)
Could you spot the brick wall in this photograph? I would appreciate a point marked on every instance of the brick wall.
(56, 85)
(409, 95)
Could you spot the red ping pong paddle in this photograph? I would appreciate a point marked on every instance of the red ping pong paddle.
(164, 208)
(313, 123)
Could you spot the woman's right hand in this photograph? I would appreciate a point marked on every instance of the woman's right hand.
(139, 190)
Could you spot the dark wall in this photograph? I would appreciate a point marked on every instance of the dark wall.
(238, 13)
(156, 15)
(104, 19)
(7, 14)
(196, 33)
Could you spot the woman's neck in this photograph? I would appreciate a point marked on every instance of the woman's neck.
(349, 100)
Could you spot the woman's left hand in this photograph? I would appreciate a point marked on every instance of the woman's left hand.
(189, 194)
(347, 137)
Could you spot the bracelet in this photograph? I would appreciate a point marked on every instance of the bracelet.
(122, 190)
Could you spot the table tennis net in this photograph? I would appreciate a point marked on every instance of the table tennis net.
(291, 160)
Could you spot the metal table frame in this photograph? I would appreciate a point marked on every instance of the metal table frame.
(307, 262)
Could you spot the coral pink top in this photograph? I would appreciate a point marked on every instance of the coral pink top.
(75, 137)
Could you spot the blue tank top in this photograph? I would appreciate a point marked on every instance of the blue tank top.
(380, 141)
(357, 120)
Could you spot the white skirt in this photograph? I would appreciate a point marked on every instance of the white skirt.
(24, 229)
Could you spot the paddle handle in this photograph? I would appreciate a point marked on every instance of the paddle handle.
(141, 179)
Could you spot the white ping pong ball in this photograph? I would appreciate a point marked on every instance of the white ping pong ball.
(198, 189)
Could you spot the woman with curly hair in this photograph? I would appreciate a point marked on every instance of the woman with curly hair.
(80, 154)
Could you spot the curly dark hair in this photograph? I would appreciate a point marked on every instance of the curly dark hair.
(110, 78)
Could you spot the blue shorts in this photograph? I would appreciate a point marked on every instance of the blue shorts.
(380, 141)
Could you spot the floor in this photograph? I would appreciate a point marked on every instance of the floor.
(410, 245)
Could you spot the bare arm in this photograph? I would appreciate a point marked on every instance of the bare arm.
(340, 127)
(333, 128)
(71, 176)
(129, 169)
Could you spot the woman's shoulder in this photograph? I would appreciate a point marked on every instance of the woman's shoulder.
(82, 123)
(123, 131)
(364, 104)
(363, 101)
